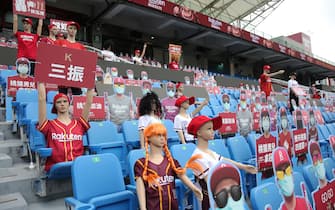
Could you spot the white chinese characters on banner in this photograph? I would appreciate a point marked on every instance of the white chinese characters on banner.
(73, 73)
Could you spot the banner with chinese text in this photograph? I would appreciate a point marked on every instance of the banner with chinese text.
(30, 8)
(300, 141)
(229, 125)
(264, 147)
(16, 82)
(97, 111)
(65, 66)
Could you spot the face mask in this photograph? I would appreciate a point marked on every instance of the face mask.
(145, 91)
(259, 107)
(114, 74)
(119, 90)
(266, 125)
(233, 205)
(197, 82)
(284, 123)
(226, 106)
(145, 78)
(270, 107)
(23, 68)
(170, 93)
(130, 76)
(286, 185)
(312, 121)
(187, 82)
(243, 105)
(320, 171)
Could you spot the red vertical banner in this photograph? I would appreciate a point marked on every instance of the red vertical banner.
(300, 141)
(264, 147)
(229, 125)
(30, 8)
(97, 111)
(332, 144)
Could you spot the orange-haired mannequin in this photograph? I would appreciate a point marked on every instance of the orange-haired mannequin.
(155, 174)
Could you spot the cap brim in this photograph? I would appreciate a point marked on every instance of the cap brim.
(217, 122)
(191, 100)
(221, 173)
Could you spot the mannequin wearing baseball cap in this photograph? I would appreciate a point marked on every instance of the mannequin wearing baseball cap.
(156, 173)
(224, 185)
(70, 42)
(121, 107)
(265, 79)
(137, 59)
(292, 83)
(26, 40)
(107, 52)
(150, 111)
(285, 138)
(63, 134)
(282, 169)
(183, 118)
(244, 117)
(168, 103)
(203, 127)
(53, 31)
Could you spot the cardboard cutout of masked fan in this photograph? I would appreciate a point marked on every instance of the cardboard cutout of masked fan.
(282, 169)
(300, 138)
(168, 103)
(285, 135)
(273, 112)
(312, 131)
(229, 122)
(323, 195)
(265, 144)
(225, 187)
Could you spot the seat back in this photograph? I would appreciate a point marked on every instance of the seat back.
(239, 149)
(133, 156)
(310, 177)
(130, 133)
(101, 132)
(50, 96)
(219, 146)
(265, 195)
(172, 135)
(26, 95)
(300, 186)
(206, 111)
(330, 168)
(96, 175)
(182, 153)
(252, 137)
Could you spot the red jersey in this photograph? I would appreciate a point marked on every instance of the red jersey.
(47, 40)
(300, 203)
(174, 66)
(285, 140)
(266, 85)
(66, 43)
(27, 45)
(65, 140)
(166, 199)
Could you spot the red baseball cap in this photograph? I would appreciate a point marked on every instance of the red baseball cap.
(314, 146)
(199, 121)
(73, 23)
(182, 99)
(22, 60)
(146, 83)
(118, 80)
(266, 67)
(137, 51)
(223, 171)
(58, 96)
(225, 96)
(280, 157)
(51, 25)
(28, 20)
(179, 84)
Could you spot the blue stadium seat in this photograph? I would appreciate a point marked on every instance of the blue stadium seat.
(219, 146)
(326, 117)
(206, 111)
(182, 153)
(172, 135)
(98, 184)
(102, 138)
(217, 110)
(251, 139)
(50, 96)
(299, 185)
(131, 134)
(239, 150)
(23, 96)
(310, 177)
(191, 109)
(265, 195)
(330, 128)
(132, 157)
(330, 168)
(213, 101)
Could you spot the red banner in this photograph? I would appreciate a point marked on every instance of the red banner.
(228, 123)
(132, 82)
(325, 198)
(264, 147)
(61, 24)
(30, 8)
(66, 67)
(256, 117)
(97, 111)
(204, 20)
(300, 141)
(16, 82)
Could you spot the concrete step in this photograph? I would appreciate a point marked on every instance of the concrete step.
(2, 113)
(13, 201)
(13, 148)
(5, 161)
(20, 178)
(54, 204)
(6, 129)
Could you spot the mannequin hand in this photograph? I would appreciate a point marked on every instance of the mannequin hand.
(198, 193)
(250, 169)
